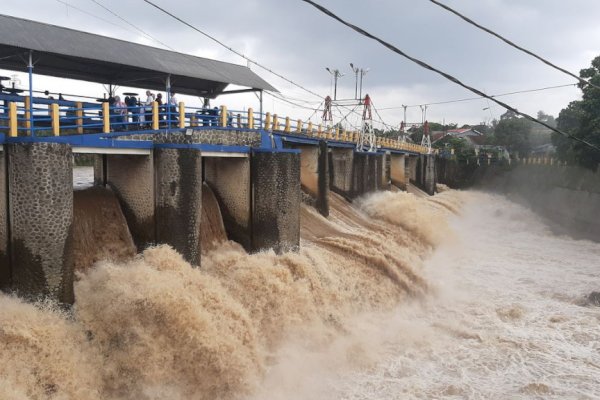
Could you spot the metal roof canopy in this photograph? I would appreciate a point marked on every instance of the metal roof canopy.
(67, 53)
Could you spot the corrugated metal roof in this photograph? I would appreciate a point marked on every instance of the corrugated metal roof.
(69, 53)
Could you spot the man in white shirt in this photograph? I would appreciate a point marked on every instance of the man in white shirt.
(148, 108)
(173, 107)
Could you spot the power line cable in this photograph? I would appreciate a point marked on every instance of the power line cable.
(132, 25)
(379, 116)
(288, 101)
(316, 110)
(510, 43)
(93, 15)
(479, 97)
(444, 74)
(231, 49)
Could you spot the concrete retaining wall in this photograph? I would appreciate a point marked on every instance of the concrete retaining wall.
(456, 174)
(314, 174)
(179, 200)
(386, 172)
(568, 197)
(276, 197)
(367, 173)
(229, 178)
(340, 171)
(398, 170)
(132, 179)
(40, 202)
(412, 168)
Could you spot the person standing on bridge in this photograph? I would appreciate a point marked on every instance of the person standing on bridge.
(327, 111)
(120, 112)
(367, 109)
(148, 108)
(173, 108)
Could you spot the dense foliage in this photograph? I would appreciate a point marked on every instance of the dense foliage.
(582, 119)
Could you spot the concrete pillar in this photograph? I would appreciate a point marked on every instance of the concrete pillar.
(5, 272)
(367, 173)
(40, 177)
(229, 178)
(131, 177)
(412, 168)
(100, 169)
(419, 173)
(398, 170)
(276, 197)
(386, 171)
(340, 171)
(314, 174)
(429, 176)
(179, 200)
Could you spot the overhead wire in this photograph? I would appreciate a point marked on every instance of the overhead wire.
(444, 74)
(512, 44)
(230, 48)
(379, 116)
(69, 5)
(316, 110)
(288, 101)
(479, 97)
(132, 25)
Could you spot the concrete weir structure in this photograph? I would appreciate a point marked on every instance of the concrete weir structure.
(259, 179)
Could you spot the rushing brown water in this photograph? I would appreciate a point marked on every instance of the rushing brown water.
(99, 230)
(156, 328)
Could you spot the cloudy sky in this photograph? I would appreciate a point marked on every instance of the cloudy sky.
(297, 41)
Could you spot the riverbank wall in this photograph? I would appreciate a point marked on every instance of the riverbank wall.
(568, 197)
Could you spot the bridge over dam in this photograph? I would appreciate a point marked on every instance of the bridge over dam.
(259, 177)
(157, 159)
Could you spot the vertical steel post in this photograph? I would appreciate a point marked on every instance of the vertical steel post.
(261, 110)
(30, 72)
(168, 102)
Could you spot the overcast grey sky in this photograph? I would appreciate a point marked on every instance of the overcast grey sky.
(296, 40)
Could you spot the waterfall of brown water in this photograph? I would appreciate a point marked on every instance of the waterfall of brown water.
(156, 328)
(212, 230)
(99, 229)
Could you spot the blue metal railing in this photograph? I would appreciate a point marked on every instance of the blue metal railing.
(46, 117)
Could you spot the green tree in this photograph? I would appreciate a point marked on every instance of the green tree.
(514, 133)
(547, 118)
(569, 121)
(582, 119)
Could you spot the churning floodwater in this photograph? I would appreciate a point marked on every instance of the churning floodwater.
(507, 317)
(462, 295)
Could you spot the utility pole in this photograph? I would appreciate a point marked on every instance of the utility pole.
(336, 74)
(356, 70)
(423, 113)
(363, 72)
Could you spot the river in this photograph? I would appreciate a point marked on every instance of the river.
(461, 295)
(506, 320)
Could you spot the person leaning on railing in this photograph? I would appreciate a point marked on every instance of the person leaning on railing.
(120, 112)
(162, 111)
(148, 108)
(173, 108)
(132, 108)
